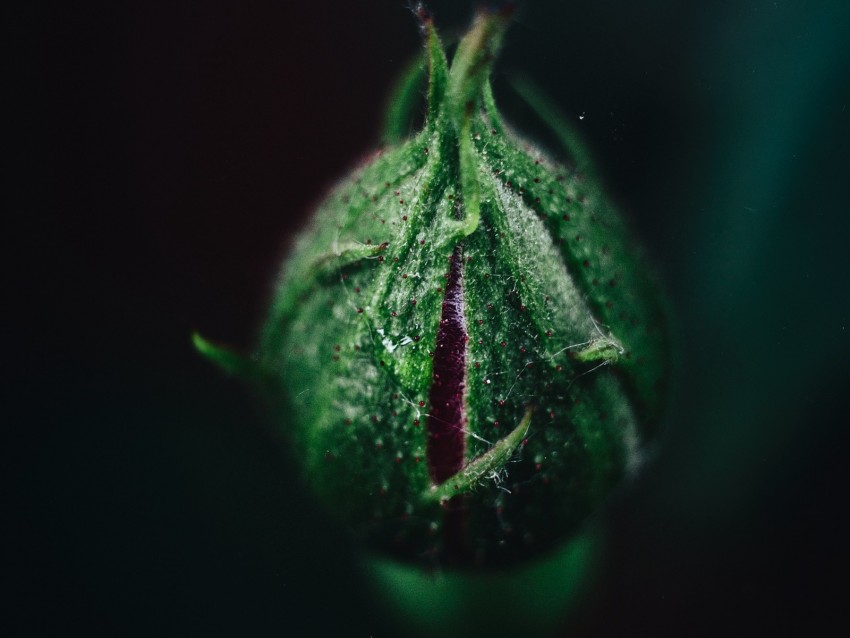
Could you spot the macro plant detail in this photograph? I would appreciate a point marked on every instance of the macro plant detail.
(466, 347)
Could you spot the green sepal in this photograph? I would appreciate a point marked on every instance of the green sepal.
(469, 180)
(346, 255)
(467, 82)
(438, 71)
(489, 104)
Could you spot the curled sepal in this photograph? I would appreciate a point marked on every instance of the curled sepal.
(467, 80)
(487, 465)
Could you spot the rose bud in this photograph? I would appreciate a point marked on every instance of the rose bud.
(466, 348)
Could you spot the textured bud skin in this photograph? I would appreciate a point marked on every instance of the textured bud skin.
(412, 335)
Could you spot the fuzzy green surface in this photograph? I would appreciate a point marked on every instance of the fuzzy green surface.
(563, 322)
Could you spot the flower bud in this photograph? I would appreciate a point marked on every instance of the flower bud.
(469, 347)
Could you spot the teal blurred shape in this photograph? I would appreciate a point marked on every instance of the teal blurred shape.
(765, 291)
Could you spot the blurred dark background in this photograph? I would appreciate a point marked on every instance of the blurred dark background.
(168, 150)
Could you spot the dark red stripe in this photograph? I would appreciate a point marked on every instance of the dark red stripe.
(447, 414)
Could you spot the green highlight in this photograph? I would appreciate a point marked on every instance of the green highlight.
(551, 115)
(528, 601)
(405, 96)
(229, 361)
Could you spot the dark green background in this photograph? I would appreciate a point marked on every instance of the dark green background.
(172, 148)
